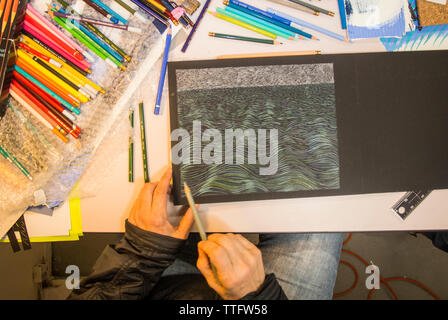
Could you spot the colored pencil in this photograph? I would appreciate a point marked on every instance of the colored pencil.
(58, 32)
(45, 96)
(53, 38)
(312, 7)
(98, 41)
(196, 25)
(40, 69)
(98, 22)
(342, 14)
(244, 25)
(143, 142)
(89, 43)
(40, 55)
(101, 11)
(131, 146)
(163, 71)
(95, 30)
(38, 45)
(8, 156)
(48, 83)
(260, 23)
(131, 10)
(296, 21)
(295, 6)
(170, 8)
(164, 8)
(151, 12)
(198, 222)
(157, 8)
(234, 37)
(110, 11)
(34, 32)
(60, 119)
(269, 54)
(266, 16)
(26, 75)
(61, 77)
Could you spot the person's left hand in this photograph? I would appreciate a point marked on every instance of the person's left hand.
(149, 210)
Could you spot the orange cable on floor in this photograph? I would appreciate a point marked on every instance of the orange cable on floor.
(382, 280)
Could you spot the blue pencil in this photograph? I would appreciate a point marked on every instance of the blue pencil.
(163, 72)
(342, 14)
(297, 21)
(266, 16)
(110, 11)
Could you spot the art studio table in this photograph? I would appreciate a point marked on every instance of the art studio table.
(107, 210)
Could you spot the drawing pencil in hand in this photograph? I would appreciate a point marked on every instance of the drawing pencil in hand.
(198, 222)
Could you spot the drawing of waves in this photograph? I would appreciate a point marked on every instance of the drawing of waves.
(305, 117)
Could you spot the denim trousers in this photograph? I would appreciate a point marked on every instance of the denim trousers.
(305, 264)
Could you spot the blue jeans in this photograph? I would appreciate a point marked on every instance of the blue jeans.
(305, 264)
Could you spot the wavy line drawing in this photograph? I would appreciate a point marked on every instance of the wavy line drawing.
(305, 117)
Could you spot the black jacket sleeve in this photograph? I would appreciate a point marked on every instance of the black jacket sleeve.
(269, 290)
(131, 268)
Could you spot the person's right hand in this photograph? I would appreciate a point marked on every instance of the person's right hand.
(238, 264)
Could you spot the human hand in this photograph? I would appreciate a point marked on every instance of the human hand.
(149, 210)
(238, 264)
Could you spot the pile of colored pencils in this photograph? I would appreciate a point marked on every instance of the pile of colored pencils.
(257, 20)
(165, 11)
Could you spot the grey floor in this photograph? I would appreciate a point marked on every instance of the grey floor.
(397, 254)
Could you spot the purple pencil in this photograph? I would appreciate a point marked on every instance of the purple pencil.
(196, 24)
(97, 22)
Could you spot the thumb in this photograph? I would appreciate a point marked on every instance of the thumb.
(185, 223)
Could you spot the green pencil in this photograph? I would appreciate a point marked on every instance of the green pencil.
(89, 43)
(5, 153)
(131, 147)
(95, 30)
(233, 37)
(312, 7)
(143, 139)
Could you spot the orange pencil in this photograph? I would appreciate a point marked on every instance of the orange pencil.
(50, 85)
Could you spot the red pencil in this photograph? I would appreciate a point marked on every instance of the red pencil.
(50, 85)
(75, 53)
(42, 37)
(61, 123)
(40, 55)
(45, 96)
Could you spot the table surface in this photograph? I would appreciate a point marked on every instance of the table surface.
(107, 210)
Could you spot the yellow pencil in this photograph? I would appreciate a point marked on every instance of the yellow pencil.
(269, 54)
(244, 25)
(74, 93)
(34, 45)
